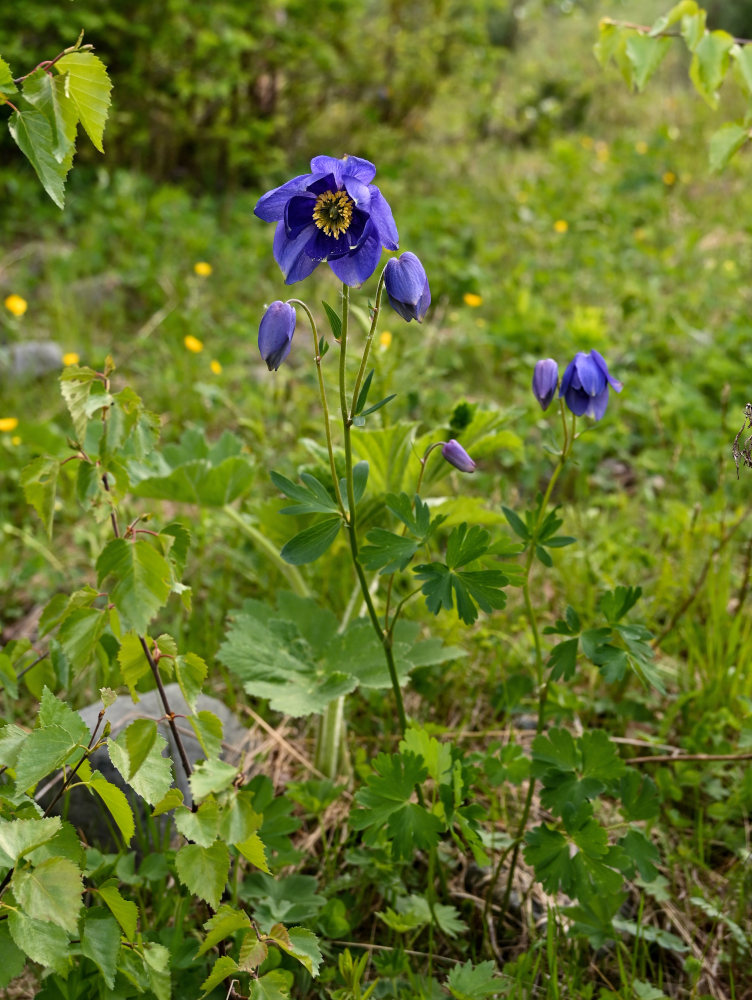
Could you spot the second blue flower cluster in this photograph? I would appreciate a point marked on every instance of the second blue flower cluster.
(584, 385)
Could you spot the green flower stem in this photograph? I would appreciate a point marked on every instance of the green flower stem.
(369, 341)
(514, 848)
(324, 404)
(351, 523)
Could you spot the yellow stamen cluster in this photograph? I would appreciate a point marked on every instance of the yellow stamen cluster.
(333, 212)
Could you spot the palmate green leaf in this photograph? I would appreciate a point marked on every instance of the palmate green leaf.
(143, 579)
(47, 93)
(470, 588)
(12, 959)
(39, 482)
(203, 870)
(311, 543)
(116, 802)
(50, 891)
(100, 941)
(43, 941)
(548, 852)
(592, 917)
(88, 86)
(34, 137)
(727, 141)
(289, 898)
(153, 777)
(709, 64)
(124, 911)
(19, 837)
(639, 796)
(645, 55)
(563, 660)
(614, 604)
(7, 86)
(387, 551)
(642, 853)
(473, 982)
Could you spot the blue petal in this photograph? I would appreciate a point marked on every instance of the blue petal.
(322, 247)
(566, 379)
(405, 279)
(358, 266)
(291, 256)
(352, 166)
(321, 183)
(381, 214)
(598, 405)
(271, 206)
(299, 213)
(577, 401)
(600, 361)
(591, 377)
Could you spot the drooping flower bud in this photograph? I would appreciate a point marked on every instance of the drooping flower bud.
(456, 455)
(275, 333)
(407, 287)
(585, 383)
(545, 380)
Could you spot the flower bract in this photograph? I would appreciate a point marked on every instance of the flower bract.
(585, 383)
(333, 214)
(407, 287)
(545, 380)
(275, 333)
(456, 455)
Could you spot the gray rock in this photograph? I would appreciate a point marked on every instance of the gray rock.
(31, 358)
(87, 813)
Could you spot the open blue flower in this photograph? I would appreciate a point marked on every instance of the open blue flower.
(333, 214)
(585, 383)
(407, 287)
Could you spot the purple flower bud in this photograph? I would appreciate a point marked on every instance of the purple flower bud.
(456, 455)
(585, 383)
(275, 333)
(407, 286)
(545, 380)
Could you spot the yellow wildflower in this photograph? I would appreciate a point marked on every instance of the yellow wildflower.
(641, 147)
(8, 424)
(385, 340)
(472, 300)
(586, 142)
(602, 152)
(669, 178)
(15, 440)
(71, 358)
(561, 225)
(16, 305)
(729, 266)
(193, 344)
(202, 268)
(215, 366)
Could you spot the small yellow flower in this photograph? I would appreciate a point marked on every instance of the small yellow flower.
(729, 266)
(385, 340)
(71, 358)
(472, 300)
(215, 366)
(586, 142)
(8, 424)
(203, 269)
(602, 152)
(561, 225)
(640, 234)
(193, 344)
(16, 305)
(15, 440)
(641, 147)
(669, 178)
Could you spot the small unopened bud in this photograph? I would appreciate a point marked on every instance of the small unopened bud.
(545, 380)
(275, 333)
(456, 455)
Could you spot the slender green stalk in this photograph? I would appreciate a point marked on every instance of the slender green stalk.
(324, 405)
(367, 348)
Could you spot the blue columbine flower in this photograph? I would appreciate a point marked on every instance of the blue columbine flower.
(333, 214)
(407, 286)
(456, 455)
(585, 383)
(545, 380)
(275, 333)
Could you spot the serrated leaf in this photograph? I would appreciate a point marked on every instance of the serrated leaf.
(34, 137)
(12, 959)
(223, 967)
(642, 853)
(143, 579)
(88, 86)
(55, 712)
(173, 798)
(645, 54)
(47, 93)
(21, 836)
(100, 941)
(548, 852)
(563, 660)
(252, 952)
(44, 751)
(226, 921)
(303, 945)
(203, 870)
(470, 588)
(190, 672)
(682, 9)
(7, 86)
(124, 910)
(50, 891)
(133, 663)
(201, 826)
(639, 796)
(727, 141)
(39, 482)
(43, 942)
(709, 64)
(473, 982)
(80, 633)
(211, 777)
(253, 850)
(116, 802)
(387, 551)
(273, 985)
(208, 730)
(311, 543)
(153, 777)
